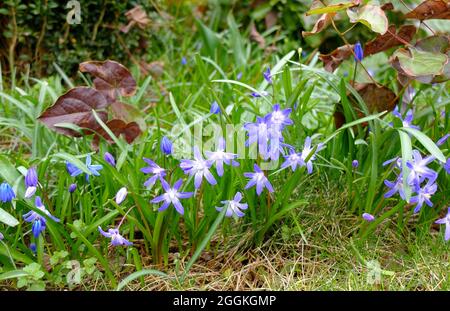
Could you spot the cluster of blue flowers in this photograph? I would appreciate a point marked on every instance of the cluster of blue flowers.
(421, 179)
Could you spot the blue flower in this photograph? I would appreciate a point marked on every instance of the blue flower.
(116, 238)
(267, 75)
(280, 118)
(215, 109)
(355, 163)
(183, 61)
(121, 195)
(109, 158)
(442, 141)
(220, 156)
(73, 170)
(368, 217)
(266, 135)
(198, 168)
(293, 159)
(93, 168)
(424, 195)
(239, 76)
(407, 121)
(419, 170)
(6, 193)
(307, 154)
(72, 188)
(359, 53)
(1, 236)
(445, 221)
(447, 166)
(234, 206)
(153, 168)
(396, 186)
(166, 145)
(259, 179)
(259, 94)
(172, 195)
(31, 182)
(39, 222)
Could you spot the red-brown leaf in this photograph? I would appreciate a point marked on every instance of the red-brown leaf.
(332, 60)
(76, 107)
(390, 39)
(111, 78)
(118, 127)
(431, 9)
(136, 16)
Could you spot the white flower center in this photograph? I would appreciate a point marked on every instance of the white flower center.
(172, 194)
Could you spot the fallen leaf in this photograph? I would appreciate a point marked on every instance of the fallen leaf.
(76, 107)
(320, 25)
(155, 68)
(136, 16)
(256, 36)
(111, 78)
(390, 39)
(128, 113)
(387, 7)
(377, 98)
(334, 59)
(431, 9)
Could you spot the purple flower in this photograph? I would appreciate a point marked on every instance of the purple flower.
(267, 75)
(220, 156)
(396, 186)
(447, 166)
(266, 135)
(306, 153)
(166, 145)
(239, 76)
(355, 163)
(93, 168)
(116, 238)
(121, 195)
(33, 247)
(39, 222)
(368, 217)
(419, 170)
(424, 195)
(215, 109)
(280, 118)
(407, 121)
(259, 94)
(259, 179)
(72, 169)
(6, 193)
(442, 141)
(31, 182)
(153, 168)
(293, 160)
(183, 61)
(445, 221)
(397, 164)
(359, 53)
(198, 168)
(109, 159)
(1, 236)
(172, 196)
(234, 206)
(72, 188)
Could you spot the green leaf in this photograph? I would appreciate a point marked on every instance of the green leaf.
(138, 274)
(331, 8)
(13, 274)
(406, 145)
(371, 16)
(426, 142)
(416, 63)
(7, 218)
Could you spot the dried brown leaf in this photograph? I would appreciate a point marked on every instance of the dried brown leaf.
(334, 59)
(390, 39)
(431, 9)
